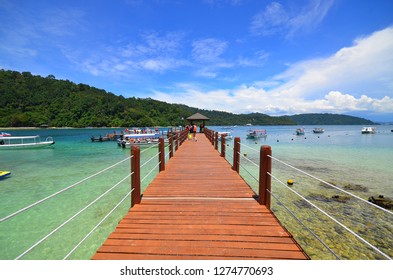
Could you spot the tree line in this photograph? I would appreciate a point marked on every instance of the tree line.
(28, 100)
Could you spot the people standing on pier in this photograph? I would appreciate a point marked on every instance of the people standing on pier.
(194, 133)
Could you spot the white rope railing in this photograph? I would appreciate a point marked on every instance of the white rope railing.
(61, 191)
(330, 217)
(306, 227)
(102, 220)
(333, 186)
(72, 217)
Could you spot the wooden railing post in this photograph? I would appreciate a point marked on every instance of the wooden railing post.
(236, 155)
(216, 141)
(135, 175)
(265, 166)
(161, 156)
(223, 145)
(177, 141)
(170, 145)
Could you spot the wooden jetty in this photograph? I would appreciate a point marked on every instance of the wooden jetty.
(199, 208)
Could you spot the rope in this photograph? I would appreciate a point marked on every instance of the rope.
(297, 219)
(249, 147)
(103, 219)
(150, 171)
(148, 161)
(61, 191)
(333, 186)
(71, 218)
(249, 160)
(152, 146)
(333, 219)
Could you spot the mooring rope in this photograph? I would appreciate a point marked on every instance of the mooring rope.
(72, 217)
(61, 191)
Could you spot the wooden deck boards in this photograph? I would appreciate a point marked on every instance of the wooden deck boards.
(199, 208)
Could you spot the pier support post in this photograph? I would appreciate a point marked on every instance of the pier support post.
(223, 146)
(161, 156)
(265, 166)
(135, 175)
(236, 155)
(216, 141)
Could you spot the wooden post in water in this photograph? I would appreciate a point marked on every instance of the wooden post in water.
(135, 175)
(236, 155)
(216, 141)
(265, 166)
(170, 145)
(161, 156)
(223, 146)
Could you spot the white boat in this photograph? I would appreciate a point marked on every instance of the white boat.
(227, 135)
(318, 130)
(257, 133)
(13, 142)
(369, 130)
(139, 139)
(300, 131)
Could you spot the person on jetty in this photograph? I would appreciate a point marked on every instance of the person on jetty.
(194, 129)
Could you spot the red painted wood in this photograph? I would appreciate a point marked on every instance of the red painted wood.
(199, 208)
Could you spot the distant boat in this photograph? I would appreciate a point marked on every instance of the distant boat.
(140, 139)
(300, 131)
(4, 134)
(256, 133)
(24, 142)
(4, 174)
(227, 135)
(318, 130)
(369, 130)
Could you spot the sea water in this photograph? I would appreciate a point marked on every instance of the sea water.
(360, 164)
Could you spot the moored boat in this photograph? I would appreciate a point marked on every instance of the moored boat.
(140, 139)
(318, 130)
(368, 130)
(4, 134)
(300, 131)
(4, 174)
(226, 134)
(14, 142)
(256, 133)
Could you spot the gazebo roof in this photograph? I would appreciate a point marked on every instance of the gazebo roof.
(198, 117)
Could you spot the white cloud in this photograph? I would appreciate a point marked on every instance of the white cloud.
(208, 50)
(356, 78)
(277, 19)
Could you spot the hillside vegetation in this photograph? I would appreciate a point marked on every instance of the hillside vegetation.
(32, 101)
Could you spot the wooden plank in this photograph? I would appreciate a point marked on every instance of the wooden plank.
(199, 208)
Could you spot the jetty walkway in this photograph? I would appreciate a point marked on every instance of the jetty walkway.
(199, 208)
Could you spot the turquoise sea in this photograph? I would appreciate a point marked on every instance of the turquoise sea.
(360, 164)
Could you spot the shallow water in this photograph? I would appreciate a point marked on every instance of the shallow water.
(341, 155)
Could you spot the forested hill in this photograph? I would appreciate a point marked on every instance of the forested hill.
(29, 100)
(329, 119)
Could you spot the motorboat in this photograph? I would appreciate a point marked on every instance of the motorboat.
(139, 139)
(4, 174)
(300, 131)
(256, 133)
(4, 134)
(226, 134)
(14, 142)
(369, 130)
(318, 130)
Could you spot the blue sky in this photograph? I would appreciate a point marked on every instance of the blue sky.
(274, 57)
